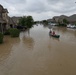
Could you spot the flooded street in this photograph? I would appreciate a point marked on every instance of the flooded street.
(36, 53)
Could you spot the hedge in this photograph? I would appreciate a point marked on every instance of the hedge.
(7, 32)
(1, 38)
(14, 32)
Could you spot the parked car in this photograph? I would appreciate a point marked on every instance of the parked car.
(71, 26)
(21, 27)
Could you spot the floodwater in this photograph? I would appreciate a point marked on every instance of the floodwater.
(36, 53)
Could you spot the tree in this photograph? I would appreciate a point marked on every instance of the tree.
(26, 21)
(65, 21)
(29, 21)
(22, 21)
(45, 22)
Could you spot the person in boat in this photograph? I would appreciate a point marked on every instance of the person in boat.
(53, 33)
(50, 31)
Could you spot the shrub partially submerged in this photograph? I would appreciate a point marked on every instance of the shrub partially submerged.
(14, 32)
(1, 38)
(7, 32)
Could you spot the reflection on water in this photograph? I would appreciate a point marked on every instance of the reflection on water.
(26, 40)
(53, 38)
(36, 53)
(5, 48)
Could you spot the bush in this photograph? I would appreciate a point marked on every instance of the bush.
(7, 32)
(64, 25)
(1, 38)
(14, 32)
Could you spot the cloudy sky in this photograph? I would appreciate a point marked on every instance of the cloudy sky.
(40, 9)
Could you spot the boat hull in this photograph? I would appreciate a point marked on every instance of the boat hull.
(56, 36)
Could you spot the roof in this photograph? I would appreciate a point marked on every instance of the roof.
(3, 10)
(50, 20)
(1, 6)
(10, 21)
(15, 19)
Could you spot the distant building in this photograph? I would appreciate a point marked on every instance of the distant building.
(56, 19)
(13, 21)
(6, 21)
(50, 21)
(60, 18)
(71, 19)
(3, 18)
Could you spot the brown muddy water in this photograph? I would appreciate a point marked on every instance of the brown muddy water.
(36, 53)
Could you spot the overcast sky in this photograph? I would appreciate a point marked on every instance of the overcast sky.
(40, 9)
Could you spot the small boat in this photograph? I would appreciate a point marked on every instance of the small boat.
(56, 36)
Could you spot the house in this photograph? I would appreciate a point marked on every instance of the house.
(72, 19)
(56, 18)
(13, 21)
(60, 18)
(50, 20)
(3, 19)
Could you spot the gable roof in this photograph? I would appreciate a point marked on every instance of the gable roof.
(2, 9)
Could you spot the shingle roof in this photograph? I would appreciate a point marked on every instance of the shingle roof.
(3, 10)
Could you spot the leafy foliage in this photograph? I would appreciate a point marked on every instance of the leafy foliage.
(7, 32)
(1, 38)
(26, 21)
(14, 32)
(65, 21)
(22, 21)
(44, 22)
(29, 21)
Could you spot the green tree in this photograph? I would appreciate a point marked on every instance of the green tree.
(1, 38)
(45, 22)
(26, 21)
(22, 21)
(29, 21)
(65, 21)
(14, 32)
